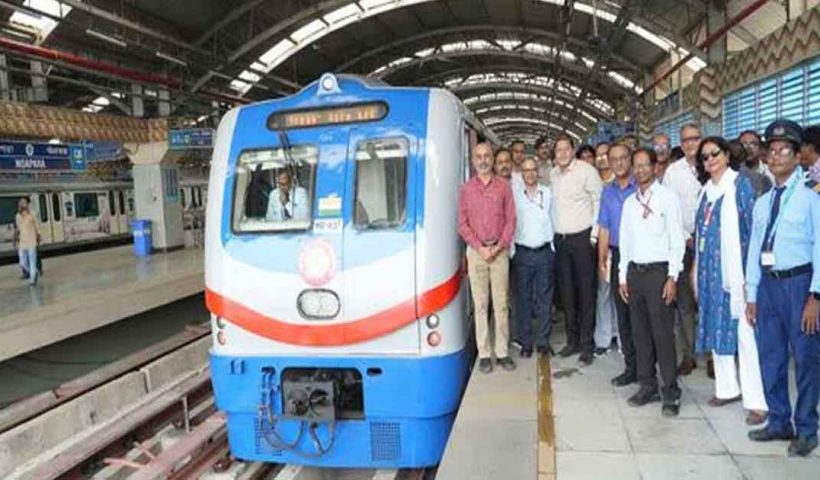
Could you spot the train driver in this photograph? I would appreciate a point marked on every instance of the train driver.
(287, 201)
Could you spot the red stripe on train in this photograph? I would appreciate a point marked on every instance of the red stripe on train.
(356, 331)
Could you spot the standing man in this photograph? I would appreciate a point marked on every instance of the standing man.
(576, 190)
(606, 318)
(810, 152)
(660, 144)
(543, 155)
(534, 261)
(519, 150)
(503, 163)
(783, 292)
(682, 178)
(602, 162)
(755, 152)
(609, 255)
(652, 249)
(27, 239)
(486, 222)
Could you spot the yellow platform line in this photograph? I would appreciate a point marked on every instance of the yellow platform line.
(546, 424)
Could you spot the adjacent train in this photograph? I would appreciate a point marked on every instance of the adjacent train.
(85, 213)
(334, 273)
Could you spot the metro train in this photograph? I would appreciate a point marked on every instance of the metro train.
(334, 274)
(72, 213)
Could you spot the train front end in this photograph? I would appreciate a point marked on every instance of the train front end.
(330, 331)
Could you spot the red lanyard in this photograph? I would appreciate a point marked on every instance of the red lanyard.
(646, 208)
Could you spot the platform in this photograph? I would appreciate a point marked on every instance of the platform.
(555, 419)
(88, 290)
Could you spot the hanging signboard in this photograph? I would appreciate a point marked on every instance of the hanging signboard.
(185, 138)
(31, 156)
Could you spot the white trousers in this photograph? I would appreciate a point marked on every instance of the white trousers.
(606, 319)
(726, 371)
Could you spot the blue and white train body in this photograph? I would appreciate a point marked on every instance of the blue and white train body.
(340, 334)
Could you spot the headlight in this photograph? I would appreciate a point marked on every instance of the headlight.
(318, 304)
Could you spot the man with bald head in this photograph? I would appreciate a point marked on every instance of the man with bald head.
(486, 222)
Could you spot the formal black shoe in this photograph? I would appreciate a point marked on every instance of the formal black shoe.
(586, 359)
(624, 379)
(670, 409)
(526, 352)
(686, 367)
(802, 446)
(600, 351)
(485, 365)
(764, 435)
(506, 363)
(569, 350)
(643, 397)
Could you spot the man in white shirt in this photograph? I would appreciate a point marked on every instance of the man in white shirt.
(682, 178)
(651, 249)
(576, 189)
(534, 260)
(27, 238)
(287, 202)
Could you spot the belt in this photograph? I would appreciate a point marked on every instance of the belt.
(648, 267)
(532, 249)
(792, 272)
(585, 232)
(489, 243)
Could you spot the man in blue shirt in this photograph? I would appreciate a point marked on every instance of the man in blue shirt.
(783, 292)
(534, 260)
(609, 221)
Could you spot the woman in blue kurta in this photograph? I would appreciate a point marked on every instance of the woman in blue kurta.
(723, 228)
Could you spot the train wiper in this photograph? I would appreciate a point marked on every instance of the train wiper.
(286, 147)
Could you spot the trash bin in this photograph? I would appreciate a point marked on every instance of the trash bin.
(141, 230)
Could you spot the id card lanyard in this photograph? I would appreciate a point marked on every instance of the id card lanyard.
(768, 246)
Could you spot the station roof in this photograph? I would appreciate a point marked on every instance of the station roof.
(527, 66)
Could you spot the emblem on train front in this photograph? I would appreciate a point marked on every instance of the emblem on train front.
(317, 263)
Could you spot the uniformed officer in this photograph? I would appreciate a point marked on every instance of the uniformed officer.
(783, 292)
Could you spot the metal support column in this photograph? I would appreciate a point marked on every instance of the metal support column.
(137, 104)
(5, 85)
(39, 89)
(164, 107)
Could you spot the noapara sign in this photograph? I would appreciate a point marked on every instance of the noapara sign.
(32, 156)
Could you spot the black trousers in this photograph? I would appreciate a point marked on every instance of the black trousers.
(653, 329)
(622, 310)
(575, 258)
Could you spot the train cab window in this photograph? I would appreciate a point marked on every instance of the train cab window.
(273, 189)
(381, 183)
(86, 205)
(42, 206)
(55, 206)
(122, 202)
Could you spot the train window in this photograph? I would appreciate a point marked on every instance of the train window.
(381, 183)
(111, 207)
(8, 209)
(182, 198)
(273, 189)
(122, 202)
(198, 197)
(42, 206)
(55, 205)
(86, 205)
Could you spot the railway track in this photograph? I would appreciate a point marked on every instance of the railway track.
(172, 432)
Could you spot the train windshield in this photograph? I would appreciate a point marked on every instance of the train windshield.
(381, 183)
(274, 189)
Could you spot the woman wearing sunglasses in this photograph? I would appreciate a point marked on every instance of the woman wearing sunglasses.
(723, 228)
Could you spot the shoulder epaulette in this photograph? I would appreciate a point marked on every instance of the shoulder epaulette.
(814, 185)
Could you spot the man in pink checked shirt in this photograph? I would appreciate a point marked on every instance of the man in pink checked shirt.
(486, 222)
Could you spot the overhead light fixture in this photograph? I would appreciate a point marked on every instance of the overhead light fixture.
(106, 38)
(171, 59)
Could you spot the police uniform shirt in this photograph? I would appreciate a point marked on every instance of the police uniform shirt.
(796, 233)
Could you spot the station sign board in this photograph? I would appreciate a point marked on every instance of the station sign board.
(188, 138)
(33, 156)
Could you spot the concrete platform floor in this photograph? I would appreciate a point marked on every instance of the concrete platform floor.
(88, 290)
(598, 436)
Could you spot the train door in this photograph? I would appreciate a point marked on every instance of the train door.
(379, 231)
(122, 215)
(40, 208)
(55, 211)
(113, 213)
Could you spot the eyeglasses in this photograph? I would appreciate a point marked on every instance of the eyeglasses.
(601, 157)
(750, 145)
(785, 152)
(690, 139)
(714, 153)
(660, 147)
(525, 170)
